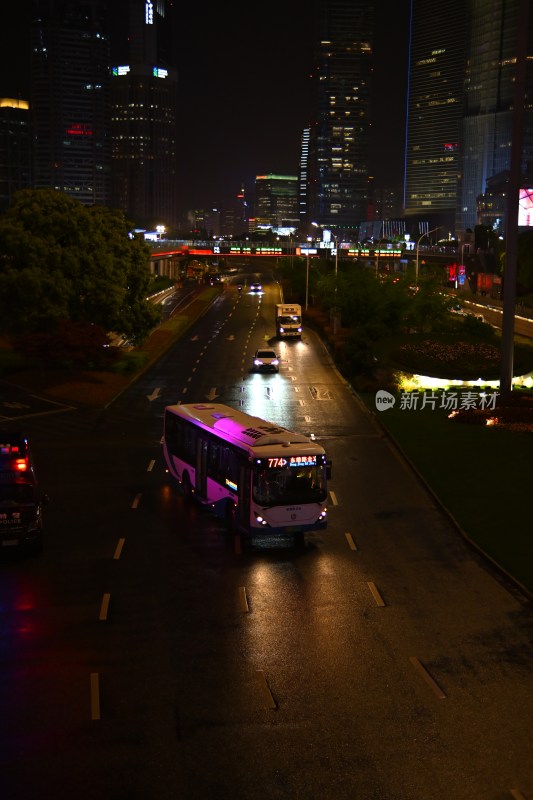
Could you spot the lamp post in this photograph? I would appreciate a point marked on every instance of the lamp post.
(417, 246)
(377, 254)
(309, 240)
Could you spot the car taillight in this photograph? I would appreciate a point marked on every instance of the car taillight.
(21, 464)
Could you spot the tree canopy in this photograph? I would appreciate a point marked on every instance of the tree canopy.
(61, 260)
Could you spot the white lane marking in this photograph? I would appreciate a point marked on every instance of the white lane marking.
(136, 501)
(151, 465)
(376, 594)
(118, 549)
(243, 599)
(351, 543)
(104, 608)
(333, 498)
(433, 685)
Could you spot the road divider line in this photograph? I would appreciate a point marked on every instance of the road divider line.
(244, 600)
(136, 501)
(118, 550)
(151, 465)
(104, 608)
(266, 694)
(351, 544)
(433, 685)
(376, 594)
(333, 498)
(95, 695)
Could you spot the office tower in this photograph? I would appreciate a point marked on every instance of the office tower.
(276, 202)
(70, 98)
(144, 112)
(434, 111)
(340, 129)
(486, 127)
(15, 148)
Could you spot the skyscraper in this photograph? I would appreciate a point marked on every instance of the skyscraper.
(144, 112)
(70, 98)
(486, 127)
(276, 201)
(435, 93)
(340, 128)
(15, 148)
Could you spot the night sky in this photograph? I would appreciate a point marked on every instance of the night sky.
(245, 91)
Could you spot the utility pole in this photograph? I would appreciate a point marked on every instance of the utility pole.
(511, 225)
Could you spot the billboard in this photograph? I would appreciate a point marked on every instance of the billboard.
(525, 208)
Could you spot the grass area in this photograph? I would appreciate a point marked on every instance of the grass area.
(480, 473)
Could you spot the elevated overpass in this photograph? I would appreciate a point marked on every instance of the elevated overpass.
(168, 255)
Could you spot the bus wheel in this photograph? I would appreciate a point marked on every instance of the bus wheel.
(231, 517)
(186, 484)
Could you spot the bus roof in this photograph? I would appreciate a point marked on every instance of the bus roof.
(241, 428)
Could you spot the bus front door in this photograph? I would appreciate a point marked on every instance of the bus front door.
(201, 468)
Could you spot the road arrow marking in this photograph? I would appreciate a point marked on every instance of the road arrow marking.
(212, 394)
(155, 394)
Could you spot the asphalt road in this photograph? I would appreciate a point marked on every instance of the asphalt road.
(146, 654)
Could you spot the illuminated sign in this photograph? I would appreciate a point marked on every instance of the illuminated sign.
(292, 461)
(160, 73)
(79, 129)
(120, 70)
(525, 208)
(149, 13)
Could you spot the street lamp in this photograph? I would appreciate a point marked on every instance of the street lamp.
(309, 240)
(377, 253)
(417, 246)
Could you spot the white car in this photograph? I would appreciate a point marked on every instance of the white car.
(266, 360)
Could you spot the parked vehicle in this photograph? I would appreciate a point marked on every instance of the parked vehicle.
(21, 501)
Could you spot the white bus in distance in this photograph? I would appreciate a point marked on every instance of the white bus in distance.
(255, 474)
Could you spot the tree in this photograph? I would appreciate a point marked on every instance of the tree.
(60, 260)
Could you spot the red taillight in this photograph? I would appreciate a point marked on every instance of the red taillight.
(21, 464)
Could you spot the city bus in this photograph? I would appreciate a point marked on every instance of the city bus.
(255, 474)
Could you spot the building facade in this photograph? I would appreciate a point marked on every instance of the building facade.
(15, 148)
(70, 99)
(338, 167)
(276, 202)
(144, 113)
(434, 110)
(486, 130)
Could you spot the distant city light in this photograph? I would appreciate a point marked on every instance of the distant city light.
(149, 13)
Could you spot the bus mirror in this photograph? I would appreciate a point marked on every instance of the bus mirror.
(328, 469)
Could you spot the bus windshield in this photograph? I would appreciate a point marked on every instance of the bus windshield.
(288, 486)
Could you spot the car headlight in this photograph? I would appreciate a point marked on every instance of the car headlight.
(257, 362)
(275, 361)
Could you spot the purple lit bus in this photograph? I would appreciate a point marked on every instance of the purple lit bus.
(255, 474)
